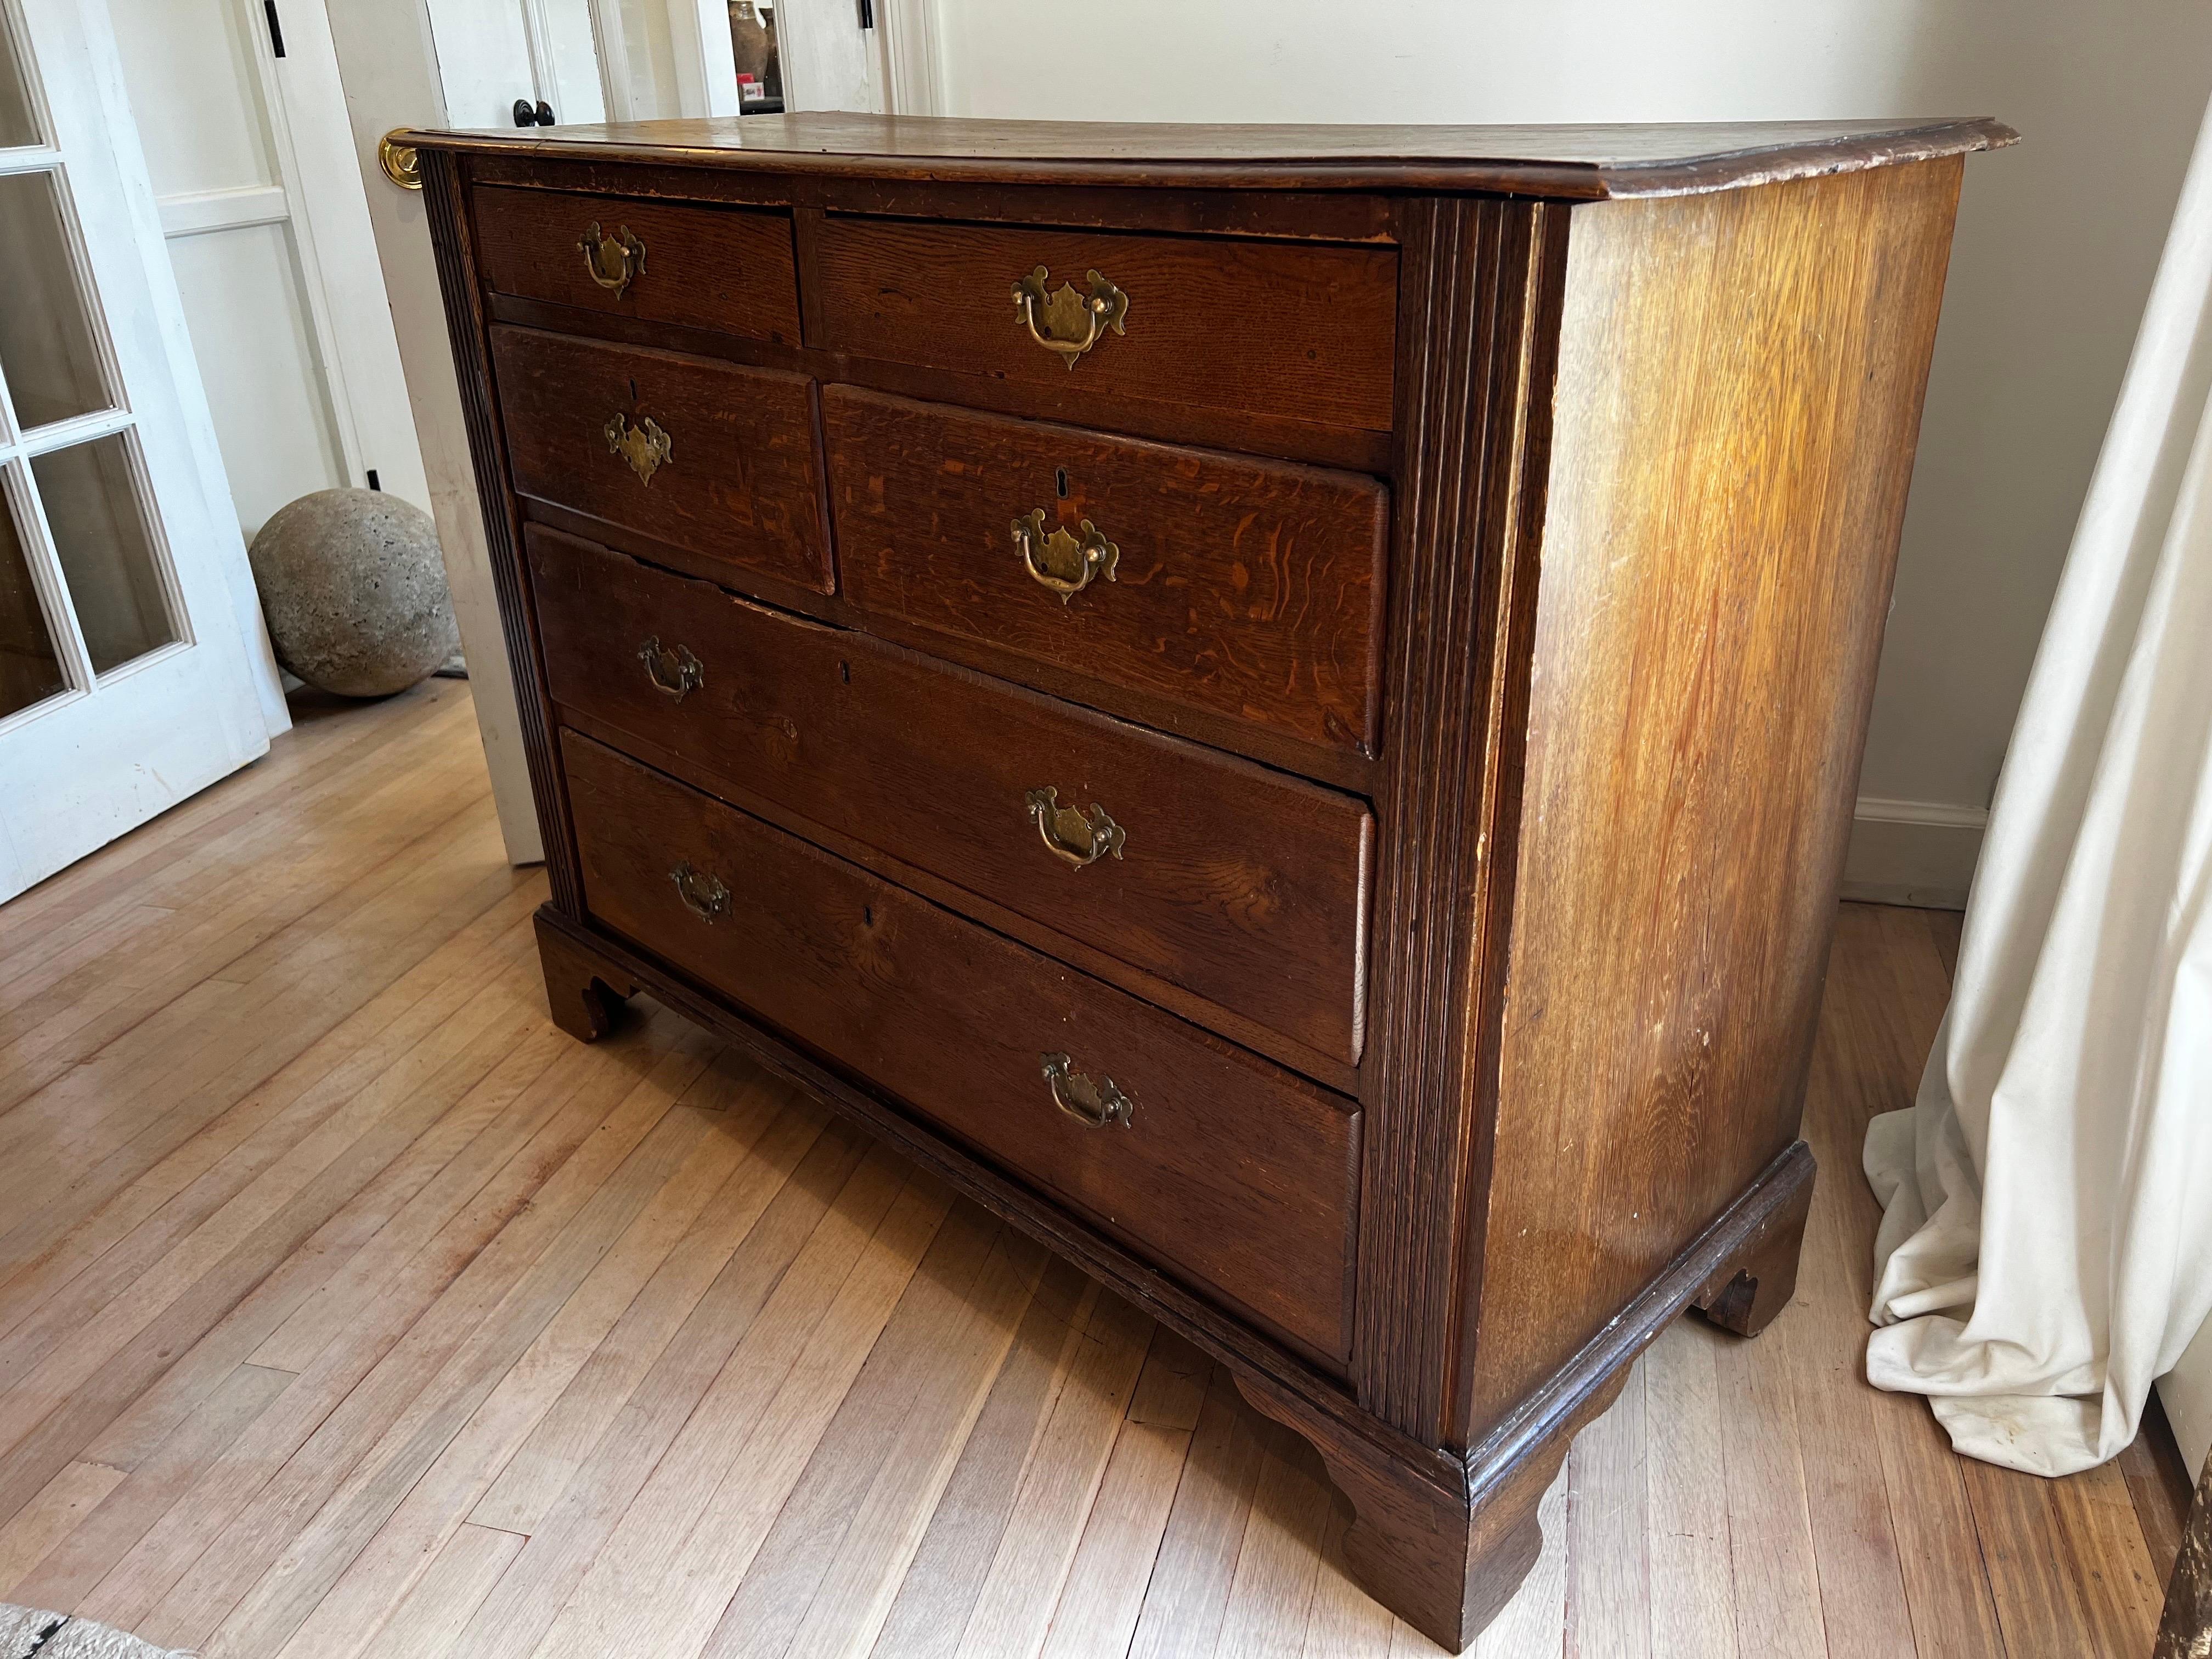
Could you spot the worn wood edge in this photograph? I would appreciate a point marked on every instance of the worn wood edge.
(469, 329)
(1577, 1391)
(1561, 181)
(1248, 1355)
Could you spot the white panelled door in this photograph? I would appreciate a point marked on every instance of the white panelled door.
(132, 668)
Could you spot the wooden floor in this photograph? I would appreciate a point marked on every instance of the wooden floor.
(348, 1308)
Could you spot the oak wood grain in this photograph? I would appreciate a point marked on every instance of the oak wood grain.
(1704, 656)
(1236, 1175)
(739, 484)
(1233, 325)
(726, 268)
(1243, 589)
(1245, 886)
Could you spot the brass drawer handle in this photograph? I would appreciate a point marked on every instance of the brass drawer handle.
(1067, 322)
(703, 895)
(644, 448)
(1094, 1105)
(614, 261)
(1063, 563)
(678, 672)
(1070, 836)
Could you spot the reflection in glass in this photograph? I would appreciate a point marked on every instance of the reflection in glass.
(17, 126)
(107, 550)
(46, 351)
(29, 670)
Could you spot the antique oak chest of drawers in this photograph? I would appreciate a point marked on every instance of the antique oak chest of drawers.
(1280, 705)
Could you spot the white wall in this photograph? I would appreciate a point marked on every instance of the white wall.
(2057, 239)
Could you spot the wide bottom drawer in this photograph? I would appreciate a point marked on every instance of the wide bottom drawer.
(1234, 1175)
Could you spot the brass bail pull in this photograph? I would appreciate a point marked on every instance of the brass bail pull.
(1094, 1105)
(678, 672)
(1067, 564)
(1074, 838)
(1065, 321)
(615, 261)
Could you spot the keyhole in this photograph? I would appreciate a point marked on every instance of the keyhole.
(633, 391)
(868, 915)
(1059, 481)
(845, 672)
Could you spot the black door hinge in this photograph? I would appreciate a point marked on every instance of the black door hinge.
(276, 28)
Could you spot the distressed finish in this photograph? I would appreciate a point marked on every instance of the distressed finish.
(1561, 657)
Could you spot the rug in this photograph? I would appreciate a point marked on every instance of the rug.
(25, 1632)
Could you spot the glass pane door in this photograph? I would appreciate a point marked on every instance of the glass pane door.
(85, 585)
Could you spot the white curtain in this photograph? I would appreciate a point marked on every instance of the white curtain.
(2046, 1252)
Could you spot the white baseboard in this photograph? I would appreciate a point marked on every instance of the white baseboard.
(1919, 852)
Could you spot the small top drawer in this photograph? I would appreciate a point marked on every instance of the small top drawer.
(1303, 330)
(723, 268)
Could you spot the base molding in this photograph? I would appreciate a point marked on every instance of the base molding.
(1447, 1556)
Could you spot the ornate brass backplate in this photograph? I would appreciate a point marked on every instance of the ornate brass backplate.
(1066, 321)
(644, 447)
(702, 893)
(1065, 563)
(1074, 837)
(1096, 1105)
(614, 261)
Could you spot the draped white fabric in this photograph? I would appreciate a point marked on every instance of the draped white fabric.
(2046, 1251)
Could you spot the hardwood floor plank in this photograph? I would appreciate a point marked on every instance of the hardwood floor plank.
(2038, 1609)
(1189, 1586)
(2123, 1594)
(1345, 1622)
(777, 1133)
(1609, 1591)
(1693, 1605)
(523, 1387)
(54, 1513)
(273, 1487)
(1271, 1597)
(930, 1612)
(311, 1563)
(428, 1622)
(1771, 1557)
(786, 1576)
(576, 1530)
(1104, 1591)
(2160, 1485)
(81, 1559)
(769, 1422)
(856, 1593)
(1013, 1607)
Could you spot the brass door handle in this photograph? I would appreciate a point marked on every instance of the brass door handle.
(1065, 321)
(1070, 836)
(1063, 563)
(1096, 1105)
(615, 261)
(703, 895)
(402, 163)
(678, 672)
(644, 448)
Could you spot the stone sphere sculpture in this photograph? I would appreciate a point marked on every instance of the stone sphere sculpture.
(355, 592)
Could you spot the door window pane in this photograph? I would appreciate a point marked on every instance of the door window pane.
(30, 670)
(107, 550)
(17, 126)
(46, 352)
